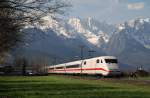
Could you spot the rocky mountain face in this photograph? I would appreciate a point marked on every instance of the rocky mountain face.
(129, 41)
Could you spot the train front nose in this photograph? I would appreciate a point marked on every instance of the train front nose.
(114, 72)
(113, 69)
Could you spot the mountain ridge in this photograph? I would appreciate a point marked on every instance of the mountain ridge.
(129, 41)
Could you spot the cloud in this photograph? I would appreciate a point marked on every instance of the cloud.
(136, 6)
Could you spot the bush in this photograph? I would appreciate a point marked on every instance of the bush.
(142, 73)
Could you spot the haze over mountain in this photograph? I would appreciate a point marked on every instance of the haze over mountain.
(129, 41)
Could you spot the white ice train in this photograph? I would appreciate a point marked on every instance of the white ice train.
(104, 65)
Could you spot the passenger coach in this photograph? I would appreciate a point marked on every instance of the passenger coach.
(104, 65)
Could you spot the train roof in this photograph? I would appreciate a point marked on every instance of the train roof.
(79, 61)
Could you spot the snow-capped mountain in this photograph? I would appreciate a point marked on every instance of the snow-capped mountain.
(139, 29)
(93, 31)
(129, 41)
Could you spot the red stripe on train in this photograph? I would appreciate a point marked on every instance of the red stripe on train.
(80, 69)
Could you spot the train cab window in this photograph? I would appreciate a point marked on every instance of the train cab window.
(84, 62)
(97, 61)
(111, 60)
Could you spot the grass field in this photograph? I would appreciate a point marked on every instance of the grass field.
(69, 87)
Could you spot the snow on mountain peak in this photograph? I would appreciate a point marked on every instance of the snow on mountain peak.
(89, 21)
(138, 29)
(147, 19)
(131, 23)
(76, 23)
(142, 20)
(121, 27)
(134, 23)
(89, 31)
(58, 27)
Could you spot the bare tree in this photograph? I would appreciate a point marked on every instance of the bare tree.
(39, 64)
(28, 11)
(21, 64)
(15, 14)
(9, 28)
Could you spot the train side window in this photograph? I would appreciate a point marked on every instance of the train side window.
(51, 68)
(73, 66)
(101, 61)
(97, 61)
(59, 67)
(84, 62)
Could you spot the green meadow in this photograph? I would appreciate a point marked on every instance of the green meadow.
(69, 87)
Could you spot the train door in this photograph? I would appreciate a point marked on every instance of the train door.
(97, 66)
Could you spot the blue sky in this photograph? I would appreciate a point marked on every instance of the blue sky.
(111, 11)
